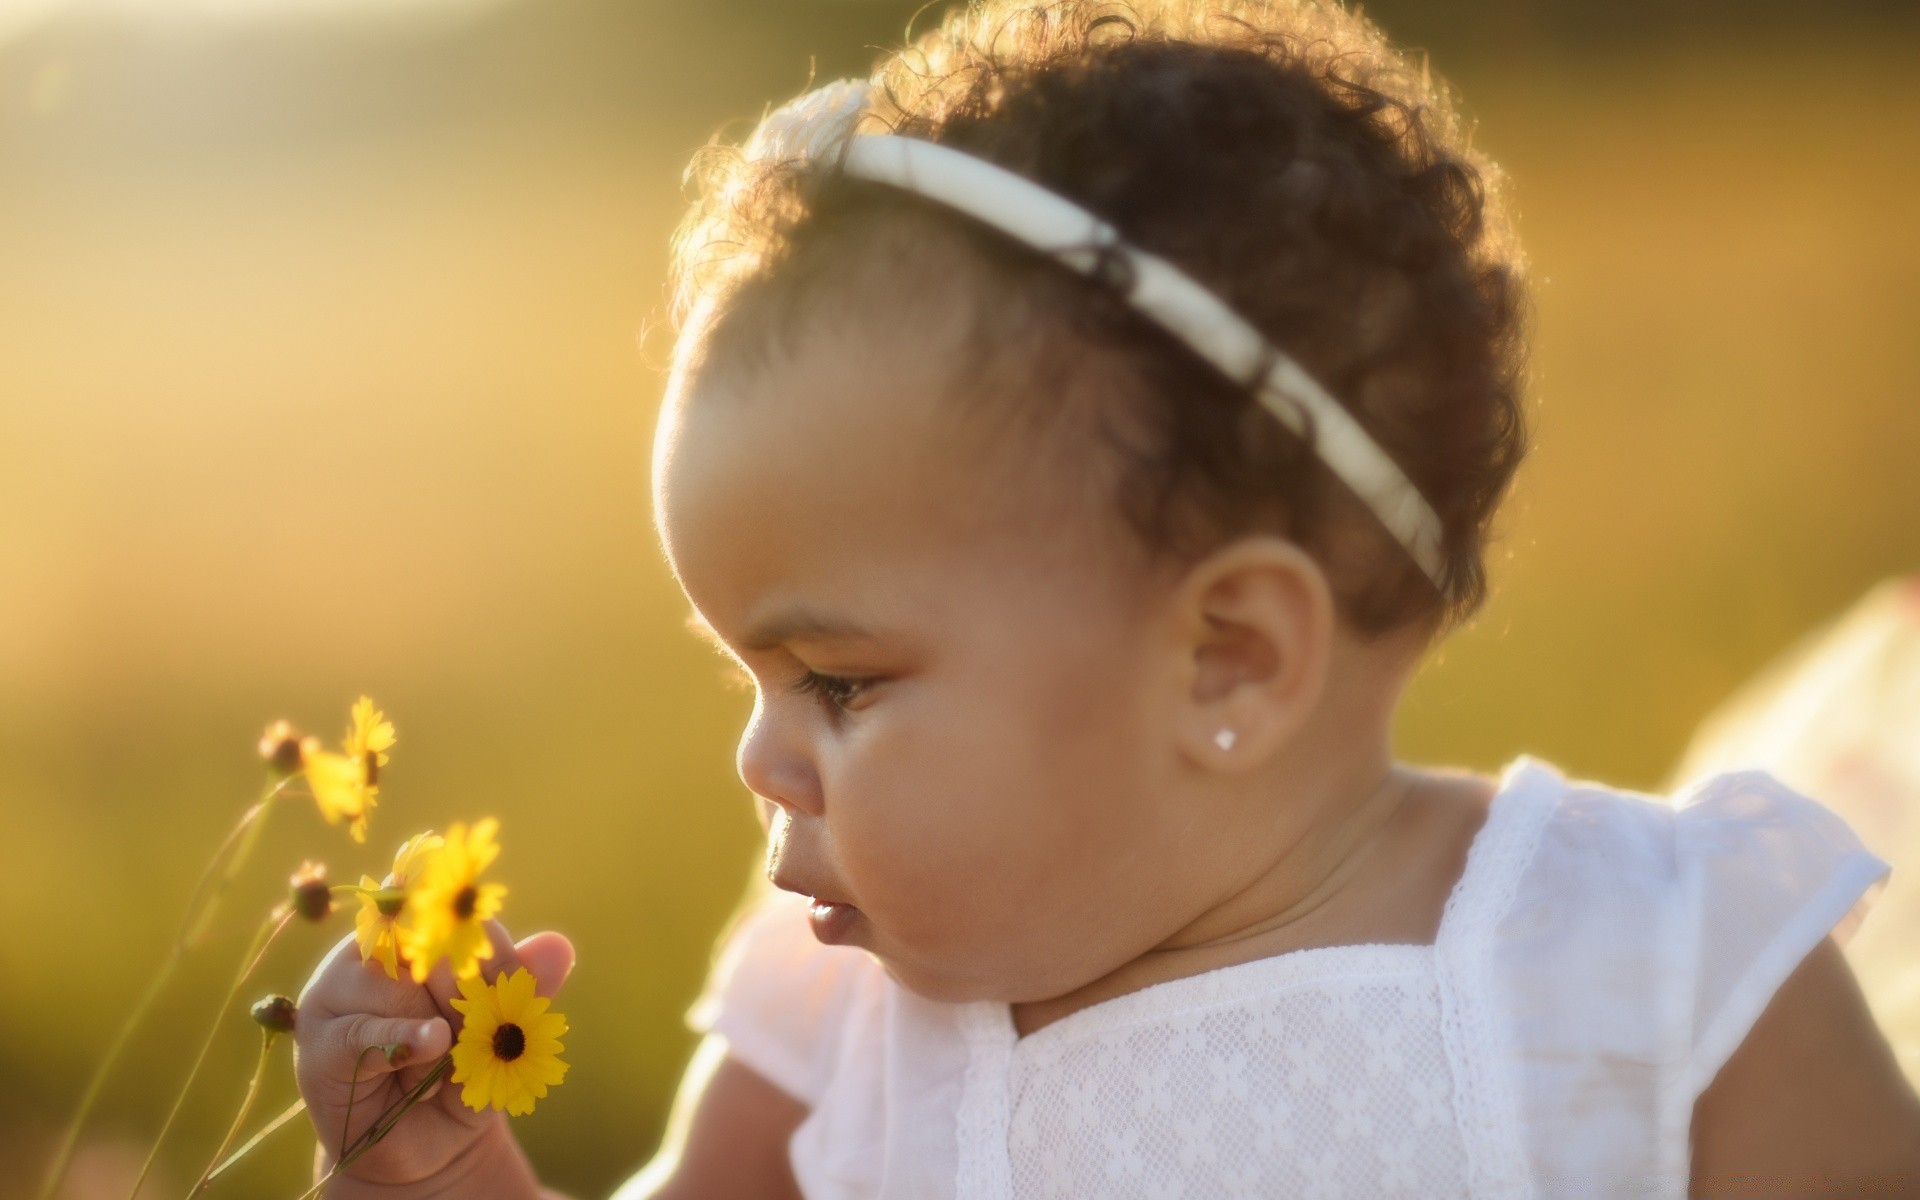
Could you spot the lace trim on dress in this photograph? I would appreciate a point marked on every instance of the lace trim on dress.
(984, 1170)
(1477, 1037)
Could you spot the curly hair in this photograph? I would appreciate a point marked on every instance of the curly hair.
(1282, 152)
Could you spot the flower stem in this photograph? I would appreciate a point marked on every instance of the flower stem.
(276, 921)
(267, 1038)
(58, 1171)
(391, 1117)
(382, 1125)
(200, 909)
(266, 1131)
(353, 1085)
(237, 849)
(319, 1183)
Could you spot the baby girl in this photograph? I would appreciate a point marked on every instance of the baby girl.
(1078, 434)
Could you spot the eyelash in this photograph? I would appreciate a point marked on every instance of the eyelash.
(811, 683)
(832, 689)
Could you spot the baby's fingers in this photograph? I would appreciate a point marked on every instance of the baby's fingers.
(363, 1047)
(548, 957)
(344, 984)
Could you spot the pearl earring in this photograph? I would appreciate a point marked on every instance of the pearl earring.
(1224, 739)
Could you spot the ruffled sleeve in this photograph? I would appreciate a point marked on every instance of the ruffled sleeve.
(1765, 874)
(778, 996)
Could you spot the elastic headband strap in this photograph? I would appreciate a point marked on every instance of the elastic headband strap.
(1058, 227)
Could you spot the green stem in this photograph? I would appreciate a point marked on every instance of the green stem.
(200, 909)
(381, 1126)
(319, 1183)
(267, 1037)
(353, 1085)
(391, 1117)
(276, 921)
(64, 1155)
(293, 1110)
(247, 835)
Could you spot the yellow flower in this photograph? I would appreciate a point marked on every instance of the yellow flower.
(447, 913)
(347, 785)
(508, 1052)
(370, 739)
(376, 925)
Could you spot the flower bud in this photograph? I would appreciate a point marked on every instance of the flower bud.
(274, 1013)
(312, 898)
(280, 746)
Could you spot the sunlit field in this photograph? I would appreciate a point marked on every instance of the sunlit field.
(326, 368)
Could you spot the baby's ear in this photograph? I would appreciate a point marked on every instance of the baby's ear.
(1253, 625)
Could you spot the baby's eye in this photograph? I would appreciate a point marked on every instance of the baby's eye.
(837, 690)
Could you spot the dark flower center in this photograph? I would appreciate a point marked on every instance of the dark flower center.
(284, 756)
(509, 1043)
(371, 762)
(464, 902)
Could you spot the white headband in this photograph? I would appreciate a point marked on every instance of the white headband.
(1063, 230)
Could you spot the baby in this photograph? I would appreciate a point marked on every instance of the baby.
(1078, 436)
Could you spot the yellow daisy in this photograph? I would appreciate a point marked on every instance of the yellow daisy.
(346, 785)
(446, 914)
(369, 739)
(337, 787)
(375, 926)
(508, 1052)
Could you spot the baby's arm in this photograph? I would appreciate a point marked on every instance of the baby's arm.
(1812, 1098)
(727, 1135)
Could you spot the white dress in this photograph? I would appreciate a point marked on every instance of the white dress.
(1601, 955)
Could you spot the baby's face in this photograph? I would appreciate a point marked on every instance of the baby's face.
(981, 769)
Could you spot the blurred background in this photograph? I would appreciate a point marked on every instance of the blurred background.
(322, 372)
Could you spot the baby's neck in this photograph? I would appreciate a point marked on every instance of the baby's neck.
(1381, 873)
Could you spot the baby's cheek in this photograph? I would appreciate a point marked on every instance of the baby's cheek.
(920, 890)
(915, 889)
(950, 867)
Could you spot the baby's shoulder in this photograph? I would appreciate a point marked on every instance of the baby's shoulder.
(1734, 836)
(1639, 939)
(1654, 929)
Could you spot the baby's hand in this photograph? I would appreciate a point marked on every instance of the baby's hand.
(350, 1005)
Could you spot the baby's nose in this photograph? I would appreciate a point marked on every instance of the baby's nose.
(777, 770)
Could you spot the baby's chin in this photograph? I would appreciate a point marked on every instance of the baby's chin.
(939, 981)
(913, 974)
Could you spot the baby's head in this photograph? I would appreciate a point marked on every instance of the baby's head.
(1002, 557)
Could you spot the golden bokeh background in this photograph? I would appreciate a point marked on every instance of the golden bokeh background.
(321, 373)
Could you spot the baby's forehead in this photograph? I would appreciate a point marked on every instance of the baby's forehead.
(861, 405)
(855, 458)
